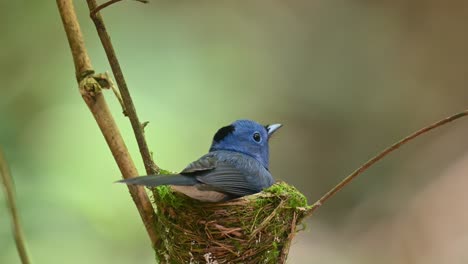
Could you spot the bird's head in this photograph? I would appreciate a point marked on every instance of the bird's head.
(247, 137)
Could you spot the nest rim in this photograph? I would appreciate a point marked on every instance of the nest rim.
(256, 228)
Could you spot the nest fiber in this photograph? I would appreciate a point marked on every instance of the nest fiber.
(253, 229)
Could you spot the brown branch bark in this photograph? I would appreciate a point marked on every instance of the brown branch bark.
(10, 198)
(381, 155)
(111, 2)
(130, 111)
(81, 59)
(90, 87)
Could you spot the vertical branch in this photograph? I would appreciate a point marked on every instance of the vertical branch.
(10, 198)
(80, 56)
(90, 88)
(130, 111)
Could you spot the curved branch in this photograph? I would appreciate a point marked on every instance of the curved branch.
(380, 156)
(111, 2)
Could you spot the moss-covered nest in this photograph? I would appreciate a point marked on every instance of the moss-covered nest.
(253, 229)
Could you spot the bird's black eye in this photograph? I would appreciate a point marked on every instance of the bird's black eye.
(257, 137)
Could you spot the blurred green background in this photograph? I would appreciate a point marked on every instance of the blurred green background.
(346, 78)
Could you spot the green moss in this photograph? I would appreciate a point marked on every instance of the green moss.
(252, 229)
(295, 198)
(163, 171)
(272, 254)
(167, 196)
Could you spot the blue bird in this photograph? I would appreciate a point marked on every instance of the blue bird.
(236, 165)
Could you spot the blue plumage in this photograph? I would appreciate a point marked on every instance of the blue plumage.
(236, 165)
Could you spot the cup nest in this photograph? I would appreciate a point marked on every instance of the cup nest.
(252, 229)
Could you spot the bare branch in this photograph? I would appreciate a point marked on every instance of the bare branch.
(91, 90)
(10, 198)
(106, 4)
(102, 6)
(81, 59)
(150, 166)
(381, 155)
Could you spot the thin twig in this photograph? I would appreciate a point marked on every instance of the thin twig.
(102, 6)
(287, 244)
(116, 93)
(130, 111)
(381, 155)
(90, 88)
(150, 166)
(106, 4)
(10, 198)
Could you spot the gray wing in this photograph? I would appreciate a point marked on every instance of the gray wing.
(229, 179)
(205, 163)
(224, 175)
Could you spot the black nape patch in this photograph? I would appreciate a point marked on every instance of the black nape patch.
(223, 132)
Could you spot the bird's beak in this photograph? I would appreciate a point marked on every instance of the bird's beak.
(272, 128)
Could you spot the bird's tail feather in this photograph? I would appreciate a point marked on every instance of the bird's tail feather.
(157, 180)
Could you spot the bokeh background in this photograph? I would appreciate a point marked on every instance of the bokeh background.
(346, 78)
